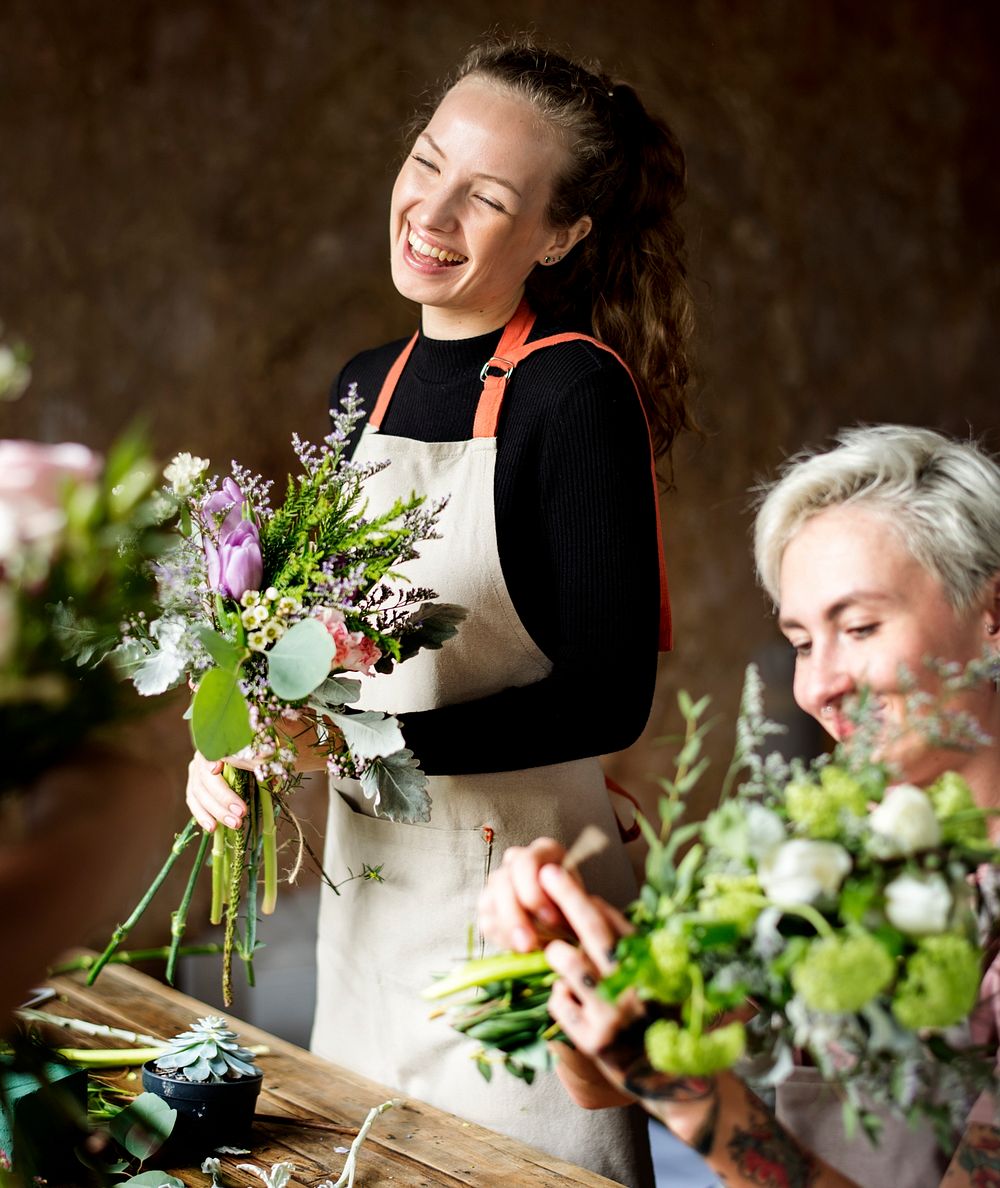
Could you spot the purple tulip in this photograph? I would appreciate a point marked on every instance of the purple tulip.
(229, 500)
(235, 564)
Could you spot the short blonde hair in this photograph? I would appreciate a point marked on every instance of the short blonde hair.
(941, 496)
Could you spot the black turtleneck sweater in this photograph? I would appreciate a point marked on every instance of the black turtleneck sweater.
(576, 534)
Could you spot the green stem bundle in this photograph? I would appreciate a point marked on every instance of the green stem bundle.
(119, 934)
(178, 919)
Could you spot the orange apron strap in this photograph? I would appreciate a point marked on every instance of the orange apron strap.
(496, 370)
(626, 833)
(488, 416)
(389, 384)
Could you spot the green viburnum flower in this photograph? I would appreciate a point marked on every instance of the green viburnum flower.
(816, 808)
(674, 1050)
(843, 973)
(671, 959)
(940, 985)
(950, 794)
(732, 899)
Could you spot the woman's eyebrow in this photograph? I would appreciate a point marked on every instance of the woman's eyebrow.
(833, 612)
(500, 181)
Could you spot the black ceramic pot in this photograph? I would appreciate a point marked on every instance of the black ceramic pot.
(209, 1114)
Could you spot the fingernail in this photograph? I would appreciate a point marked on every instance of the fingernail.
(522, 940)
(231, 822)
(236, 809)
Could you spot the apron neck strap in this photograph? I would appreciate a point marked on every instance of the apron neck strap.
(512, 348)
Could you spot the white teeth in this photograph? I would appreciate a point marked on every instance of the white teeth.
(425, 249)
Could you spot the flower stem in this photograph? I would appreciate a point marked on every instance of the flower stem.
(218, 873)
(178, 919)
(807, 912)
(235, 877)
(119, 934)
(483, 970)
(270, 899)
(130, 957)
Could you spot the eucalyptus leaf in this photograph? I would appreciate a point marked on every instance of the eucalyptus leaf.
(220, 719)
(143, 1126)
(370, 735)
(335, 691)
(300, 660)
(223, 651)
(397, 788)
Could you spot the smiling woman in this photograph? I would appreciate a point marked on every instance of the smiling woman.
(881, 554)
(533, 222)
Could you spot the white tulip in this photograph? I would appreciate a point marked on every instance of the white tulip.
(918, 904)
(906, 821)
(800, 871)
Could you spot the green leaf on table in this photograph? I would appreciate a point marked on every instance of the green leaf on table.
(223, 651)
(142, 1127)
(397, 788)
(300, 660)
(220, 719)
(152, 1179)
(334, 692)
(370, 735)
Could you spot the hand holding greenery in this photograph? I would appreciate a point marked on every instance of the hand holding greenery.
(840, 906)
(262, 611)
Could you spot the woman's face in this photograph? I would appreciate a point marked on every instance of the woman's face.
(858, 608)
(468, 221)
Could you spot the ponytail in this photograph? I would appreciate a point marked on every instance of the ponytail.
(626, 280)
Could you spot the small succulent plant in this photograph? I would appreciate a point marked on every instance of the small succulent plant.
(210, 1051)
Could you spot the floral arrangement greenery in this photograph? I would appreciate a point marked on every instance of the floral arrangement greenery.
(268, 613)
(839, 905)
(76, 537)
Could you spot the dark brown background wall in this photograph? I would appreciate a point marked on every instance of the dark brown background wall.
(193, 228)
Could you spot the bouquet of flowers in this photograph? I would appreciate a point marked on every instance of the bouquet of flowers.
(839, 906)
(76, 535)
(262, 611)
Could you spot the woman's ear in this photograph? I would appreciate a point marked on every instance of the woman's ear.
(566, 238)
(993, 612)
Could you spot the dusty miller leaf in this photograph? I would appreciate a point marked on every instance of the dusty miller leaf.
(370, 735)
(397, 788)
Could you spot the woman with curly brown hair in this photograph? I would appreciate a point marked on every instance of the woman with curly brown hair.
(533, 220)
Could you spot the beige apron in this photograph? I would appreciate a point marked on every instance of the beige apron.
(380, 944)
(909, 1158)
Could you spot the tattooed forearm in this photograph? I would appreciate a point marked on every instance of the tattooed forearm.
(764, 1154)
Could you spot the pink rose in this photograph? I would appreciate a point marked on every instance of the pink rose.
(33, 477)
(355, 652)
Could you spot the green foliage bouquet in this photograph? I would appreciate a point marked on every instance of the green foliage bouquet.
(268, 613)
(840, 906)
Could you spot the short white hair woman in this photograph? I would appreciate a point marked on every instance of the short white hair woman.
(880, 554)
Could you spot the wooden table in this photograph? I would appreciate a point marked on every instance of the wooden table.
(312, 1106)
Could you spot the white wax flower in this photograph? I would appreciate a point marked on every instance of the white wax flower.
(800, 871)
(184, 471)
(906, 820)
(918, 904)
